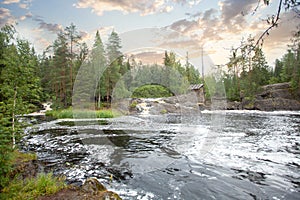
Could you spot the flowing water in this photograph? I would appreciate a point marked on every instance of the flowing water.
(214, 155)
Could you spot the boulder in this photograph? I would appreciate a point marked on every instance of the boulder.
(276, 97)
(92, 186)
(273, 104)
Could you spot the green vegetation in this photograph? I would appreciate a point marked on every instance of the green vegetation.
(32, 188)
(133, 104)
(70, 113)
(247, 72)
(18, 156)
(13, 187)
(151, 91)
(164, 111)
(28, 79)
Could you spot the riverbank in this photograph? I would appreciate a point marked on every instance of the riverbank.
(24, 180)
(275, 97)
(27, 181)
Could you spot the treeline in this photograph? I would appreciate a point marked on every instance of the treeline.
(248, 70)
(20, 91)
(172, 75)
(104, 71)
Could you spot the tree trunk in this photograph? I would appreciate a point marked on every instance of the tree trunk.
(13, 119)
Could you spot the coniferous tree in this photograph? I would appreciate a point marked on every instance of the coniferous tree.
(20, 87)
(115, 59)
(73, 37)
(60, 75)
(98, 60)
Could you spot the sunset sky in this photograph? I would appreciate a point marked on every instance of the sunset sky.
(147, 26)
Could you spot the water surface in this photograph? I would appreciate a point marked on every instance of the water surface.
(214, 155)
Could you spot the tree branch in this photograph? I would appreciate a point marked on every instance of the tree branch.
(274, 23)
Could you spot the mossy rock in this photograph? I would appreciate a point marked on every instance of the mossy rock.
(93, 186)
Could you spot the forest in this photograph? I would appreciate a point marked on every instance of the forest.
(28, 79)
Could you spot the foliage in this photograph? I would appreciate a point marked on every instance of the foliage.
(58, 72)
(247, 72)
(5, 155)
(43, 184)
(151, 91)
(20, 85)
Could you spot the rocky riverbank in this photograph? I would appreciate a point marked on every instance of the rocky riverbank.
(90, 190)
(28, 173)
(273, 97)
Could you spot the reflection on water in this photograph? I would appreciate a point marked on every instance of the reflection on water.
(254, 156)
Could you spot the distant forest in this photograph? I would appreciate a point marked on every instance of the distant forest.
(27, 79)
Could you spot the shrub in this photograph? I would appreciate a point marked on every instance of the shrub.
(151, 91)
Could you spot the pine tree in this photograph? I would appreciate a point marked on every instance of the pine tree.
(73, 36)
(115, 59)
(60, 73)
(98, 60)
(20, 86)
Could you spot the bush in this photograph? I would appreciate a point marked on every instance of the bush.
(151, 91)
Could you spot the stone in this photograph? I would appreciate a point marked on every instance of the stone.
(276, 97)
(273, 97)
(92, 186)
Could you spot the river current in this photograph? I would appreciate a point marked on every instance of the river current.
(213, 155)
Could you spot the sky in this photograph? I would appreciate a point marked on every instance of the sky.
(149, 27)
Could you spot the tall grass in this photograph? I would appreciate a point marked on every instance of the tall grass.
(70, 113)
(43, 184)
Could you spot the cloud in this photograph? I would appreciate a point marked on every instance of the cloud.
(144, 7)
(184, 25)
(6, 17)
(148, 57)
(54, 28)
(25, 4)
(28, 15)
(226, 27)
(232, 9)
(10, 1)
(205, 26)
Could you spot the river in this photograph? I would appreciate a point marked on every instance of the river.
(214, 155)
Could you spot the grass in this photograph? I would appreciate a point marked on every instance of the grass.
(43, 184)
(29, 188)
(70, 113)
(18, 157)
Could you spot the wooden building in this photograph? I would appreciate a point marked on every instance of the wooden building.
(199, 90)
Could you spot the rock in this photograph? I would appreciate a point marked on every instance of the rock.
(276, 97)
(92, 189)
(272, 97)
(233, 105)
(92, 186)
(25, 169)
(272, 104)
